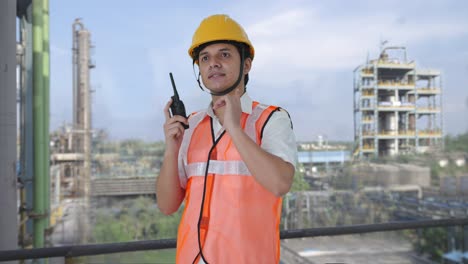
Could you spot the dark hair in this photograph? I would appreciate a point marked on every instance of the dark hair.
(239, 45)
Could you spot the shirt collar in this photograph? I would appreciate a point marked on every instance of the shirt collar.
(246, 105)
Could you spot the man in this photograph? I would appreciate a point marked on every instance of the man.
(234, 162)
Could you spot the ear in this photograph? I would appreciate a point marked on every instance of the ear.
(247, 65)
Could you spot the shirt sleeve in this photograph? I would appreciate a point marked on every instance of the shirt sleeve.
(278, 137)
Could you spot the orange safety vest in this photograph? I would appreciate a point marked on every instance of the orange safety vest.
(240, 218)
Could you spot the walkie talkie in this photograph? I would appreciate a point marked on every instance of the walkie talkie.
(177, 106)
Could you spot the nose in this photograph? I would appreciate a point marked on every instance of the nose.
(214, 62)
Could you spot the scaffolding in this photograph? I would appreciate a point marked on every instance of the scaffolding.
(397, 107)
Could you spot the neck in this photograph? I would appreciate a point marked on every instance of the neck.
(215, 98)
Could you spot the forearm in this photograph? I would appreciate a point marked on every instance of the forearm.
(270, 171)
(168, 190)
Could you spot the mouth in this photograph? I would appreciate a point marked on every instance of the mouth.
(215, 75)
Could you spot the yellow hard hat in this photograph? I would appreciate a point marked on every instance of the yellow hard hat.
(219, 28)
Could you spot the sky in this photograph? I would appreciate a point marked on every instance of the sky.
(305, 54)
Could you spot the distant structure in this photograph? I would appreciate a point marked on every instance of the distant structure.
(71, 147)
(319, 159)
(82, 101)
(397, 106)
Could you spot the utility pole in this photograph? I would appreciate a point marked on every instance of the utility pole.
(8, 200)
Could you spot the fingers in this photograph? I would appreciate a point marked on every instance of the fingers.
(174, 130)
(219, 103)
(176, 118)
(167, 115)
(228, 99)
(173, 125)
(175, 121)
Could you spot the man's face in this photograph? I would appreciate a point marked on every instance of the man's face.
(219, 66)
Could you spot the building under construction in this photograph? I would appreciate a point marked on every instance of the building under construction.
(397, 106)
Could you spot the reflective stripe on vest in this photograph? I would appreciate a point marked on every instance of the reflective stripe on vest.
(252, 121)
(240, 218)
(194, 120)
(218, 167)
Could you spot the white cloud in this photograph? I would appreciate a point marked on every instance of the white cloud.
(305, 55)
(300, 39)
(303, 58)
(282, 24)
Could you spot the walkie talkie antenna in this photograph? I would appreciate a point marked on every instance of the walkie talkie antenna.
(176, 94)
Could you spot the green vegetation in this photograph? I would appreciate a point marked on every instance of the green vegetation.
(455, 146)
(299, 183)
(133, 220)
(128, 158)
(140, 219)
(458, 143)
(433, 242)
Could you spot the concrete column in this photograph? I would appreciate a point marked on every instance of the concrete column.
(8, 196)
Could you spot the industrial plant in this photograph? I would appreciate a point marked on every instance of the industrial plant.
(71, 149)
(397, 106)
(397, 193)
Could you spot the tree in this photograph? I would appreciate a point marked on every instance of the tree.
(456, 143)
(299, 183)
(137, 219)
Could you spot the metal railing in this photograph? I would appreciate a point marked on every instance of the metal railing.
(98, 249)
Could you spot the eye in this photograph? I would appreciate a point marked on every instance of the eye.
(204, 58)
(225, 55)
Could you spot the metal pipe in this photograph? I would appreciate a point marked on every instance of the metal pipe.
(441, 115)
(8, 181)
(46, 99)
(109, 248)
(77, 25)
(84, 76)
(82, 113)
(57, 185)
(397, 47)
(21, 78)
(22, 154)
(26, 119)
(39, 212)
(74, 69)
